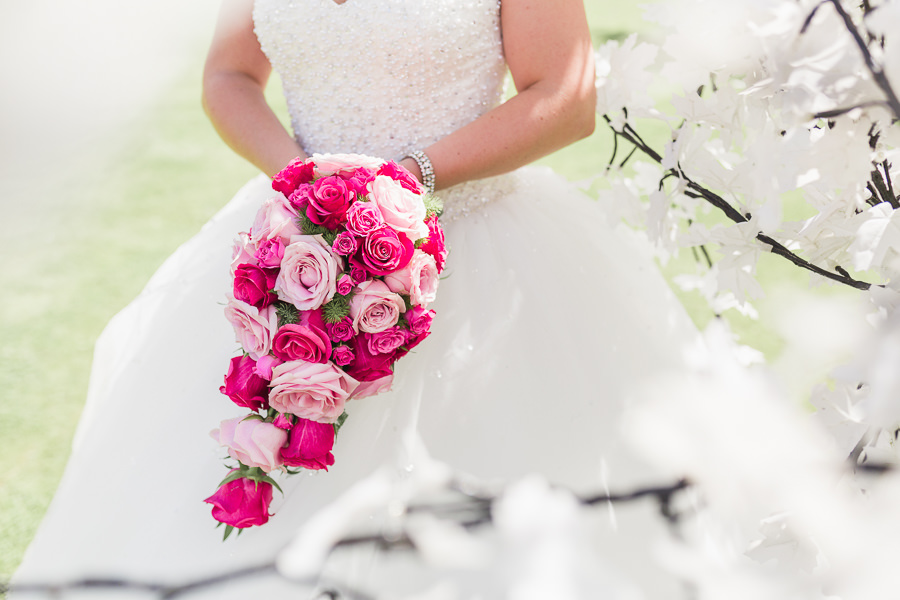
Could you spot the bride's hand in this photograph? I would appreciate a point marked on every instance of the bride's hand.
(548, 48)
(234, 81)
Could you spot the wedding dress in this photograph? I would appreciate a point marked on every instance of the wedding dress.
(547, 318)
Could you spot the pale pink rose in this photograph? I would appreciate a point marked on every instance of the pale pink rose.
(264, 366)
(419, 279)
(329, 164)
(253, 327)
(363, 217)
(315, 391)
(308, 275)
(270, 252)
(371, 388)
(401, 209)
(253, 442)
(276, 218)
(243, 251)
(375, 307)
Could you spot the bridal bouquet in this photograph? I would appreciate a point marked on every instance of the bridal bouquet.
(331, 287)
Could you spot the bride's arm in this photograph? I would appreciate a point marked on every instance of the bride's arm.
(234, 80)
(548, 49)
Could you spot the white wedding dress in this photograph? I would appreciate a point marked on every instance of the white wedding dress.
(547, 319)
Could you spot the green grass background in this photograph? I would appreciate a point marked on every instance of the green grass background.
(121, 219)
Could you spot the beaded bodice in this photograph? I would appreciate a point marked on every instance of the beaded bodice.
(386, 77)
(382, 77)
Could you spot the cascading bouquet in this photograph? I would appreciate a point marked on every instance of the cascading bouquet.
(331, 287)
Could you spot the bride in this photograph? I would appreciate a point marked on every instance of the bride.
(546, 319)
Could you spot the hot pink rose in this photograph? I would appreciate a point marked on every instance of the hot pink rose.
(253, 285)
(264, 366)
(387, 341)
(385, 251)
(310, 445)
(308, 273)
(344, 285)
(419, 279)
(398, 173)
(253, 442)
(363, 217)
(419, 320)
(269, 253)
(402, 209)
(329, 164)
(276, 218)
(243, 251)
(314, 391)
(371, 388)
(340, 331)
(298, 342)
(342, 355)
(297, 172)
(434, 245)
(345, 244)
(374, 307)
(253, 327)
(329, 202)
(368, 366)
(358, 271)
(358, 180)
(244, 386)
(242, 503)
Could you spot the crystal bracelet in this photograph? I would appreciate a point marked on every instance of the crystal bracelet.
(426, 169)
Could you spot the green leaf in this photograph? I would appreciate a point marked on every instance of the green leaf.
(433, 206)
(267, 479)
(337, 308)
(287, 313)
(231, 477)
(228, 530)
(340, 422)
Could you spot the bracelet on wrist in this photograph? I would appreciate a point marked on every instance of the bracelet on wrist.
(426, 168)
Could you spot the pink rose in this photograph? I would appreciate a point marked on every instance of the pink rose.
(298, 342)
(283, 422)
(402, 209)
(374, 307)
(244, 386)
(342, 355)
(419, 279)
(329, 201)
(419, 320)
(253, 285)
(363, 217)
(344, 285)
(398, 173)
(269, 253)
(310, 445)
(243, 251)
(385, 342)
(276, 218)
(340, 331)
(264, 366)
(253, 327)
(242, 503)
(308, 273)
(434, 245)
(314, 391)
(368, 366)
(253, 442)
(297, 172)
(385, 251)
(358, 180)
(329, 164)
(301, 197)
(345, 244)
(371, 388)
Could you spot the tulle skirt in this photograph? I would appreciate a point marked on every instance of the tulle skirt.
(547, 319)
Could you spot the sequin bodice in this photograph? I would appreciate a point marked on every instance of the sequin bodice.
(386, 77)
(382, 77)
